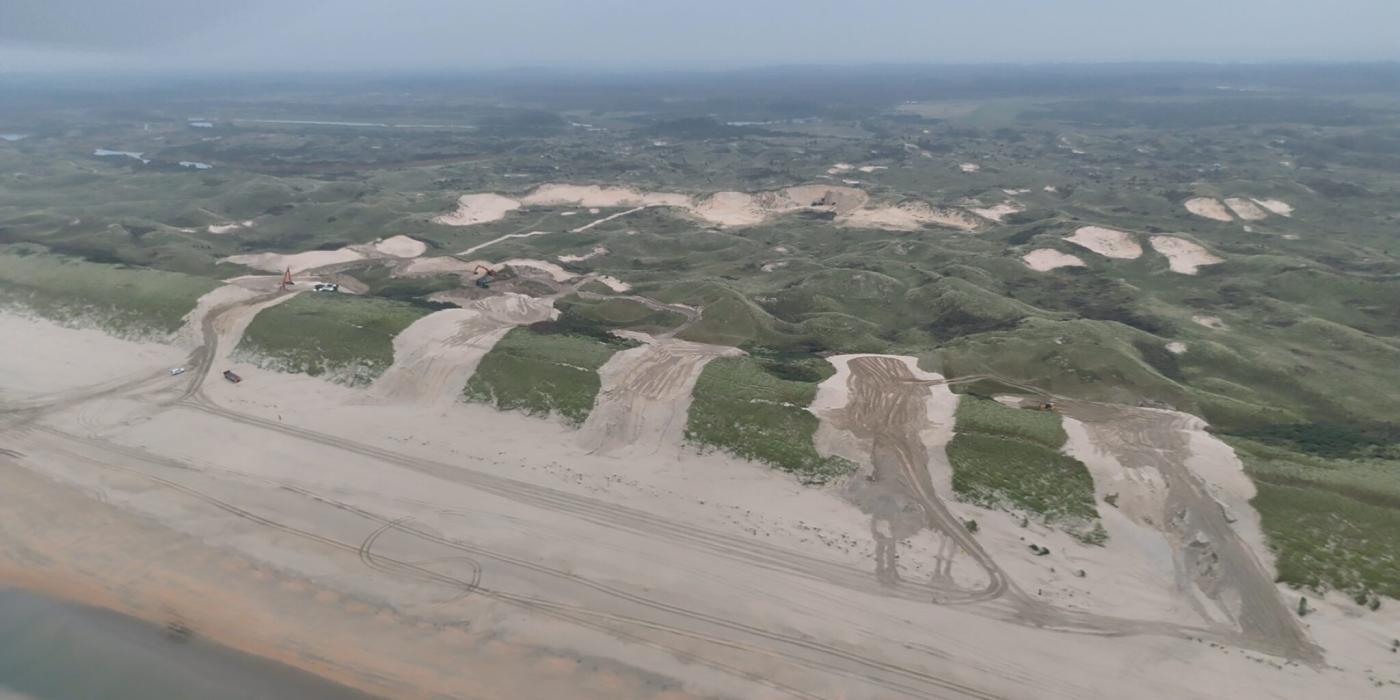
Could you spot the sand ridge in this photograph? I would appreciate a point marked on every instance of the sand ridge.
(475, 209)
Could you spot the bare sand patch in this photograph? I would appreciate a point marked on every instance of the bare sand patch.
(41, 356)
(401, 247)
(219, 229)
(434, 266)
(1211, 322)
(839, 168)
(1276, 206)
(296, 262)
(1183, 256)
(1046, 259)
(597, 251)
(614, 283)
(1110, 243)
(745, 209)
(645, 395)
(969, 167)
(1208, 207)
(475, 209)
(872, 168)
(1176, 347)
(998, 212)
(1245, 209)
(908, 216)
(436, 355)
(597, 196)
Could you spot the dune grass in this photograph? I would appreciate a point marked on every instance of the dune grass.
(122, 300)
(746, 407)
(1009, 459)
(346, 339)
(542, 373)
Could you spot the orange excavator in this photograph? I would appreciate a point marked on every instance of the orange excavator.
(286, 279)
(487, 275)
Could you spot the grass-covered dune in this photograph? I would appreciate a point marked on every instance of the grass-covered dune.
(541, 373)
(756, 408)
(1009, 459)
(122, 300)
(347, 339)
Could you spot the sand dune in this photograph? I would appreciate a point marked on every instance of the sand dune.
(1209, 208)
(1184, 256)
(478, 209)
(1245, 209)
(1046, 259)
(401, 247)
(998, 212)
(1107, 242)
(1276, 206)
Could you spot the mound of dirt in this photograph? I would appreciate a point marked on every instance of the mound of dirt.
(296, 262)
(1184, 257)
(1107, 242)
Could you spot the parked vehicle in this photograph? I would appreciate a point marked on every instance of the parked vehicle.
(229, 375)
(177, 370)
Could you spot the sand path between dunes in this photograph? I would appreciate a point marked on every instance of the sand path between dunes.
(645, 396)
(436, 355)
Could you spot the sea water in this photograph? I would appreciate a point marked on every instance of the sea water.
(51, 650)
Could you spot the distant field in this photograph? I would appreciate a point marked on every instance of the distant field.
(1009, 459)
(747, 408)
(130, 302)
(543, 374)
(346, 339)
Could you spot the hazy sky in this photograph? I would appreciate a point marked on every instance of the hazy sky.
(470, 34)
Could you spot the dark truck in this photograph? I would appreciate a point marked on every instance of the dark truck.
(229, 375)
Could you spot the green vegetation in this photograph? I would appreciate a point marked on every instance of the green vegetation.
(746, 407)
(1010, 459)
(616, 312)
(542, 370)
(1330, 522)
(121, 300)
(347, 339)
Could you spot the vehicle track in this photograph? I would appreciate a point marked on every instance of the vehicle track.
(905, 680)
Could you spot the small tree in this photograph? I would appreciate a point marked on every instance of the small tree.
(1302, 606)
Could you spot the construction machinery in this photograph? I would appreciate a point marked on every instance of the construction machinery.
(487, 276)
(286, 279)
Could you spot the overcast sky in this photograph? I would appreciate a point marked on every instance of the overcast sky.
(629, 34)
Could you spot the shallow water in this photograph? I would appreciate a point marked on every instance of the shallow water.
(51, 650)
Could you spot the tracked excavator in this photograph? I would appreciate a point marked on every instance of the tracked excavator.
(487, 275)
